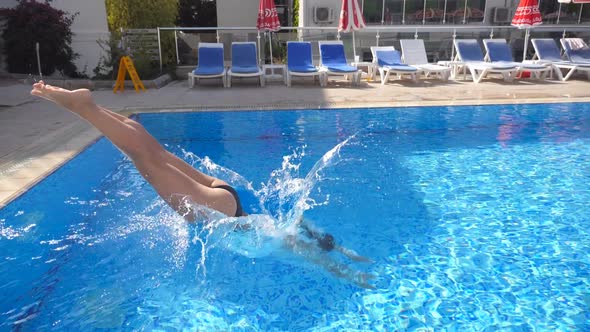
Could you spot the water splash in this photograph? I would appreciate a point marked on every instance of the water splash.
(283, 200)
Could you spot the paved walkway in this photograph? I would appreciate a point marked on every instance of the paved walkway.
(37, 137)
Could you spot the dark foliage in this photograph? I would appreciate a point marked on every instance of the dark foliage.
(32, 22)
(197, 13)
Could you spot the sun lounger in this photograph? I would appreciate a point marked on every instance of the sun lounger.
(300, 62)
(388, 61)
(414, 54)
(547, 51)
(576, 50)
(210, 65)
(469, 52)
(244, 62)
(498, 51)
(333, 62)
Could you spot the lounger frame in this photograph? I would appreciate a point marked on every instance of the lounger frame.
(414, 54)
(385, 72)
(355, 77)
(480, 69)
(290, 73)
(259, 73)
(557, 63)
(539, 73)
(194, 78)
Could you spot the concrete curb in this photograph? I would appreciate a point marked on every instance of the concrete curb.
(156, 83)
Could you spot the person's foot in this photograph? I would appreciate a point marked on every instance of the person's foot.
(70, 99)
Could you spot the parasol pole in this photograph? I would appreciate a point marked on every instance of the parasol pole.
(383, 13)
(353, 45)
(404, 13)
(382, 21)
(259, 48)
(270, 45)
(38, 60)
(465, 13)
(453, 46)
(424, 14)
(527, 35)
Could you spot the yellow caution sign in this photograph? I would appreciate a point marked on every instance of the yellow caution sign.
(126, 65)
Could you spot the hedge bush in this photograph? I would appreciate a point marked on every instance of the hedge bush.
(141, 14)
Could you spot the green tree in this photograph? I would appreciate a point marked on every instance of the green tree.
(141, 14)
(296, 13)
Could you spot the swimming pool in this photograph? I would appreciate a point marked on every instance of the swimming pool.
(476, 218)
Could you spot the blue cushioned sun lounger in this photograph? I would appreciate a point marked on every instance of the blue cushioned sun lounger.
(333, 61)
(499, 52)
(388, 61)
(210, 65)
(469, 52)
(300, 62)
(576, 50)
(244, 62)
(547, 51)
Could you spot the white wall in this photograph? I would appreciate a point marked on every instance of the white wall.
(306, 8)
(237, 13)
(8, 3)
(89, 26)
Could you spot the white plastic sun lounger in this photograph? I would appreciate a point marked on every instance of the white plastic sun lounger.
(300, 62)
(333, 62)
(469, 52)
(414, 54)
(244, 62)
(576, 50)
(498, 51)
(210, 65)
(388, 61)
(547, 51)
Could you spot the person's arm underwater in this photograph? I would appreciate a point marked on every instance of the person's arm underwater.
(327, 242)
(351, 254)
(319, 256)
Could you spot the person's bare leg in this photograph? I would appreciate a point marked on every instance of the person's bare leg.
(177, 162)
(159, 167)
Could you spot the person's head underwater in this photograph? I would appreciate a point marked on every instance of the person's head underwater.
(326, 242)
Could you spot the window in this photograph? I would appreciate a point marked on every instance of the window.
(423, 11)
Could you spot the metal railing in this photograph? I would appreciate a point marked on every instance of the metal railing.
(374, 35)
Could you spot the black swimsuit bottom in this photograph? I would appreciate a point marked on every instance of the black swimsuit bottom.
(239, 211)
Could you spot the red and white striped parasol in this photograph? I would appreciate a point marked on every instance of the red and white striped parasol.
(351, 16)
(527, 14)
(268, 18)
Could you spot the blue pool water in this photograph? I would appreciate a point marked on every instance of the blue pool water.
(476, 218)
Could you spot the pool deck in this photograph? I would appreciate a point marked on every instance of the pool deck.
(37, 137)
